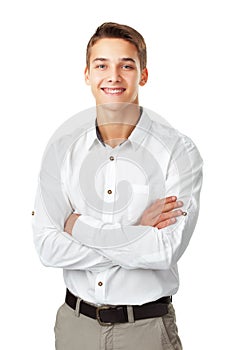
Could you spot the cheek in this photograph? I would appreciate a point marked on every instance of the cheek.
(134, 85)
(96, 80)
(133, 80)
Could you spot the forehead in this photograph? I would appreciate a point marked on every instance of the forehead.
(113, 48)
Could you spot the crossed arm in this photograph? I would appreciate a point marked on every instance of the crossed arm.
(57, 247)
(160, 214)
(147, 246)
(84, 243)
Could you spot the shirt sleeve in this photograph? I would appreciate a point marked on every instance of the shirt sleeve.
(147, 247)
(57, 248)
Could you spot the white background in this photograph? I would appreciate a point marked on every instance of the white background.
(190, 84)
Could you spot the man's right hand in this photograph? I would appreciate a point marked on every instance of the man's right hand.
(69, 224)
(161, 213)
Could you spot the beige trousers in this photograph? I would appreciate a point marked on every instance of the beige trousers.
(77, 332)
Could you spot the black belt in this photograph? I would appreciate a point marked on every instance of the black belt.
(106, 315)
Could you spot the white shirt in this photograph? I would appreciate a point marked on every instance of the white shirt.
(110, 258)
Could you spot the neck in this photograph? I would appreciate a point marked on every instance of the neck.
(117, 121)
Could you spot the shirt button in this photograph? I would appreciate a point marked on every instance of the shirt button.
(100, 284)
(109, 191)
(111, 158)
(33, 213)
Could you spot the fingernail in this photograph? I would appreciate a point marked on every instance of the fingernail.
(180, 203)
(173, 219)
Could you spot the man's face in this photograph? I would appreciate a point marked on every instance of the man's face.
(114, 72)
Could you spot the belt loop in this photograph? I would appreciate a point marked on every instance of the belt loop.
(77, 308)
(130, 314)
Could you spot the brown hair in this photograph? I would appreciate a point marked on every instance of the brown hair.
(120, 31)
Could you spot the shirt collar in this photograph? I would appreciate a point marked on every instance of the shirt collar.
(141, 130)
(135, 138)
(91, 134)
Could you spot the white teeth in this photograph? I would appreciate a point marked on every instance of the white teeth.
(114, 91)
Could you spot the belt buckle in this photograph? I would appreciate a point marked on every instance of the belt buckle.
(98, 309)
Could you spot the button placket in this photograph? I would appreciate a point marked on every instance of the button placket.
(110, 175)
(100, 286)
(110, 182)
(109, 192)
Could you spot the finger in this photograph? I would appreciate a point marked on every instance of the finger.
(171, 206)
(166, 216)
(167, 200)
(169, 215)
(160, 203)
(166, 223)
(155, 211)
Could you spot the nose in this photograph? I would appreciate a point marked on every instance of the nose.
(114, 75)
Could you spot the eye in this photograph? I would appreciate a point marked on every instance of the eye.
(101, 66)
(127, 67)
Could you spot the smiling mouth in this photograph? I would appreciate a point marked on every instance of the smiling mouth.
(113, 91)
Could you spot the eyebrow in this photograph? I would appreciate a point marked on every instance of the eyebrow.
(123, 59)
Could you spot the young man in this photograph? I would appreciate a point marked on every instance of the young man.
(108, 208)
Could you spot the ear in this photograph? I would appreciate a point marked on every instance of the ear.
(144, 77)
(86, 75)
